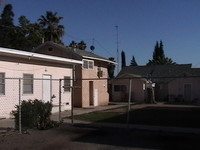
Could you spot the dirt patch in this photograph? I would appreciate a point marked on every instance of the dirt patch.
(67, 137)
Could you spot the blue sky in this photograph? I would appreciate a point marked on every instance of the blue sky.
(140, 24)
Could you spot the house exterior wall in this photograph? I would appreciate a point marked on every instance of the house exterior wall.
(176, 88)
(17, 67)
(138, 92)
(100, 89)
(161, 92)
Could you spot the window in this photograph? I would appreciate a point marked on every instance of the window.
(2, 83)
(28, 84)
(88, 64)
(120, 88)
(67, 82)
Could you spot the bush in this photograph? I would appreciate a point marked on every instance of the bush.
(34, 113)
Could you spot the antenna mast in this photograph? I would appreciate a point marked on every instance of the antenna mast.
(117, 36)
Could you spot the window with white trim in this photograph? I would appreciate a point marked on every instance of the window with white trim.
(88, 64)
(67, 83)
(2, 83)
(27, 83)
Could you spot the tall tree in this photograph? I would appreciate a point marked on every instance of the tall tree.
(159, 56)
(73, 44)
(81, 45)
(111, 68)
(123, 57)
(133, 62)
(161, 50)
(7, 28)
(29, 35)
(53, 31)
(156, 51)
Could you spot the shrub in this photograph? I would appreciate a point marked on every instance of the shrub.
(34, 113)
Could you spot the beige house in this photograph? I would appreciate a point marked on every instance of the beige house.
(172, 83)
(91, 84)
(26, 75)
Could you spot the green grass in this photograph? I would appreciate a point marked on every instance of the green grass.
(97, 116)
(160, 116)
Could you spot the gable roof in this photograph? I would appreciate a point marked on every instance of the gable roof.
(53, 49)
(90, 55)
(158, 72)
(68, 52)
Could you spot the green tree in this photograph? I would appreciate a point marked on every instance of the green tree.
(73, 44)
(123, 57)
(81, 45)
(133, 62)
(159, 56)
(52, 30)
(7, 28)
(29, 35)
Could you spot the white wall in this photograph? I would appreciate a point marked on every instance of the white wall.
(16, 70)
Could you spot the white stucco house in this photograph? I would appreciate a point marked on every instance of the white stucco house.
(26, 75)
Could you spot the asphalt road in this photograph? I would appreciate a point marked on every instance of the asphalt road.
(67, 137)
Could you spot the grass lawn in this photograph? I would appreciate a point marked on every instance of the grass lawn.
(161, 116)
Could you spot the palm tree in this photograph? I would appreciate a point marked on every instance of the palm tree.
(53, 31)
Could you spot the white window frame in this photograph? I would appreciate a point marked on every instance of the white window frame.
(67, 82)
(2, 83)
(30, 84)
(88, 64)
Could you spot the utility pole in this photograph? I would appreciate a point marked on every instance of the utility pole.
(117, 38)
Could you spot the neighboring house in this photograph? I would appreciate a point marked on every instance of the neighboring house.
(21, 75)
(172, 83)
(90, 78)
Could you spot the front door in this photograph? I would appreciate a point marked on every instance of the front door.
(187, 92)
(46, 88)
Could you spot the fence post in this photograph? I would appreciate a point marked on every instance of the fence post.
(59, 100)
(20, 125)
(72, 99)
(129, 101)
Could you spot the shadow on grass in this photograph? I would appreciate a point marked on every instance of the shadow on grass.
(157, 116)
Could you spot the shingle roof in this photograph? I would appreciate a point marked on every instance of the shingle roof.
(53, 49)
(68, 52)
(91, 55)
(158, 72)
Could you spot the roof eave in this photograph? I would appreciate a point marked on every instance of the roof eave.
(31, 55)
(100, 59)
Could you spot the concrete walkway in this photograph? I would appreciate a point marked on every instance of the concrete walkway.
(79, 111)
(9, 123)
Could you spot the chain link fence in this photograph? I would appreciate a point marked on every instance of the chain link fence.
(94, 92)
(13, 91)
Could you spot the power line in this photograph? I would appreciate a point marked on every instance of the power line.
(103, 47)
(93, 40)
(76, 38)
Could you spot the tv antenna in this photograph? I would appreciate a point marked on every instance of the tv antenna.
(117, 43)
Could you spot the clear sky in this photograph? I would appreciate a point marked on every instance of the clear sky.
(140, 24)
